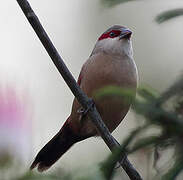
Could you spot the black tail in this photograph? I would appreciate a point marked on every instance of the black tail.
(55, 148)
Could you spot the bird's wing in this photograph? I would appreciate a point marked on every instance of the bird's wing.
(81, 74)
(80, 77)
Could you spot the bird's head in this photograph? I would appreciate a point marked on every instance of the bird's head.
(116, 40)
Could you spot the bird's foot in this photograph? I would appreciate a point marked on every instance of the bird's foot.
(83, 112)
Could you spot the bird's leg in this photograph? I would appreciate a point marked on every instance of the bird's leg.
(83, 112)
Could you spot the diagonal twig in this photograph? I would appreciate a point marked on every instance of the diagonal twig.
(78, 93)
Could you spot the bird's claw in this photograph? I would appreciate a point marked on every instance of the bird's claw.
(83, 112)
(91, 104)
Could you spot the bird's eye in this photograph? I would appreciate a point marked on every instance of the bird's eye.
(112, 34)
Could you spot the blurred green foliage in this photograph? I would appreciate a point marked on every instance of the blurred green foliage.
(112, 3)
(162, 111)
(162, 17)
(167, 15)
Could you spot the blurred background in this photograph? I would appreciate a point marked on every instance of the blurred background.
(34, 94)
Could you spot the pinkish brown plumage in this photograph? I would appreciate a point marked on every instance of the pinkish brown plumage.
(110, 64)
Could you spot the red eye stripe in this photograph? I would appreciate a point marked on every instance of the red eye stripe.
(107, 35)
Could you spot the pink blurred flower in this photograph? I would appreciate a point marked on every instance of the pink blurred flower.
(15, 122)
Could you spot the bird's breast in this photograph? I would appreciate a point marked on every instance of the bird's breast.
(99, 72)
(103, 71)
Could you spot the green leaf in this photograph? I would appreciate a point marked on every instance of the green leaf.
(114, 90)
(167, 15)
(175, 170)
(144, 142)
(167, 120)
(107, 167)
(132, 135)
(111, 3)
(31, 176)
(176, 89)
(148, 93)
(126, 95)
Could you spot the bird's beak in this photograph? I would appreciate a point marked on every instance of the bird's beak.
(125, 34)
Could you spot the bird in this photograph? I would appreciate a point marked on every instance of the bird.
(111, 63)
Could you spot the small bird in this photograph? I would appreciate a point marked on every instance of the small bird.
(110, 64)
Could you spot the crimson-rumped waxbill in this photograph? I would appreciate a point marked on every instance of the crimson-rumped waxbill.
(110, 64)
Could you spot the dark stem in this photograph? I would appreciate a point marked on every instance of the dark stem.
(78, 93)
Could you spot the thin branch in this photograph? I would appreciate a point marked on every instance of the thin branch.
(78, 93)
